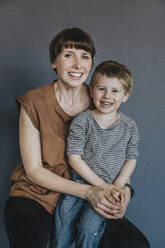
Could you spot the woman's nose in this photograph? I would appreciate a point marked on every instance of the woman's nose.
(77, 63)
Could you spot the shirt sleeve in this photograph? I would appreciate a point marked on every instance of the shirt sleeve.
(132, 151)
(77, 136)
(28, 103)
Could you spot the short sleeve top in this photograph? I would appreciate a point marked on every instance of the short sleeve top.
(52, 122)
(103, 149)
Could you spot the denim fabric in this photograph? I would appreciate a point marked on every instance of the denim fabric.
(76, 223)
(90, 228)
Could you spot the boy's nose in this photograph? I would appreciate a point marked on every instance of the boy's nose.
(107, 94)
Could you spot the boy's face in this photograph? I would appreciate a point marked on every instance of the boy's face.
(108, 94)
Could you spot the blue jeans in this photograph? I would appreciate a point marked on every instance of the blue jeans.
(76, 223)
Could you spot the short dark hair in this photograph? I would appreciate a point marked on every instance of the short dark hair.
(113, 69)
(73, 38)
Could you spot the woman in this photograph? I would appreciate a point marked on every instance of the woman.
(45, 114)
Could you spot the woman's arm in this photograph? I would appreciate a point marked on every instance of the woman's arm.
(30, 146)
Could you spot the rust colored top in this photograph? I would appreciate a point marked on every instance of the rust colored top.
(52, 122)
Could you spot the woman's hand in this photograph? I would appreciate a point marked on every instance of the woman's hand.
(107, 207)
(104, 206)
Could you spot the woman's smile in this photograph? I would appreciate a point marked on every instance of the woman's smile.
(73, 66)
(76, 75)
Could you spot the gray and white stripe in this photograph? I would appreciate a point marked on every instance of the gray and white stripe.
(104, 150)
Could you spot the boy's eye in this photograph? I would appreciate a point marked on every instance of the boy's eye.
(101, 88)
(115, 91)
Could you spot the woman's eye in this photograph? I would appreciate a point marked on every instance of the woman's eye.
(67, 55)
(85, 57)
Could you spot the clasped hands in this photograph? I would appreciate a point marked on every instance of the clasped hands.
(109, 201)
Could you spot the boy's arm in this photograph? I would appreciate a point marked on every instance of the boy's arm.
(76, 141)
(132, 154)
(125, 173)
(75, 148)
(82, 169)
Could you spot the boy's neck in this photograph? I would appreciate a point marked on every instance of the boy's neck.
(105, 120)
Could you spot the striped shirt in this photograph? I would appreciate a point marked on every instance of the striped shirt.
(104, 150)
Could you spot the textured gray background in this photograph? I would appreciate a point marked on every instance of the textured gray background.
(130, 31)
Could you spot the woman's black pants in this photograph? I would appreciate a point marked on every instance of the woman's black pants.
(29, 225)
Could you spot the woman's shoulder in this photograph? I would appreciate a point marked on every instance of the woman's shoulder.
(35, 102)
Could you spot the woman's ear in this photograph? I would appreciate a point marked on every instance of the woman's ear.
(53, 65)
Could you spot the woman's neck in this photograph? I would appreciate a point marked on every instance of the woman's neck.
(72, 100)
(67, 94)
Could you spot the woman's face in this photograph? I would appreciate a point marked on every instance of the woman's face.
(73, 66)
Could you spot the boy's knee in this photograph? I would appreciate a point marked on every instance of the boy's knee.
(84, 227)
(89, 228)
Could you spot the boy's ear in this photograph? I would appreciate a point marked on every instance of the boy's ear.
(125, 97)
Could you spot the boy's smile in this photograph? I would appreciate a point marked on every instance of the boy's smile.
(108, 94)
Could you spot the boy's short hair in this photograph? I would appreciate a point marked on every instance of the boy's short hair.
(73, 38)
(113, 69)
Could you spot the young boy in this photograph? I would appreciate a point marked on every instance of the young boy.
(102, 148)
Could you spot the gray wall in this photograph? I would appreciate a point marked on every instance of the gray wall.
(130, 31)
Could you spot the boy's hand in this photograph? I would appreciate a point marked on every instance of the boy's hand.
(118, 194)
(112, 193)
(121, 195)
